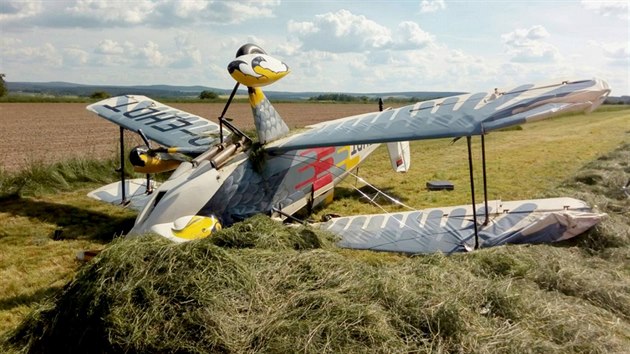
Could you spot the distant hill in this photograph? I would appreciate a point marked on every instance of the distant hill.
(618, 100)
(157, 91)
(72, 89)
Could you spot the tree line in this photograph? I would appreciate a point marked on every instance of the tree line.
(342, 97)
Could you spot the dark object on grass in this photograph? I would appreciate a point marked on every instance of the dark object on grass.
(440, 186)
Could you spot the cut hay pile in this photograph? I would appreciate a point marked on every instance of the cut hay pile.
(263, 287)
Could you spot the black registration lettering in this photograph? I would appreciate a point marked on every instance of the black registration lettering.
(140, 112)
(184, 123)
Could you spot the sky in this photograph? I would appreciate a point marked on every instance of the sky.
(331, 46)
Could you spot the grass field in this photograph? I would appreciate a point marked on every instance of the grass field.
(258, 293)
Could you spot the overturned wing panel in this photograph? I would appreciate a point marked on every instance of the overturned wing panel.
(456, 116)
(161, 123)
(136, 195)
(451, 229)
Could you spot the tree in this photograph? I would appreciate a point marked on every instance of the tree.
(208, 95)
(100, 95)
(3, 86)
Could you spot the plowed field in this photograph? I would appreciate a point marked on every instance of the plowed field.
(48, 132)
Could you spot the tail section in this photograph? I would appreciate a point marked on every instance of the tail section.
(399, 156)
(254, 69)
(269, 124)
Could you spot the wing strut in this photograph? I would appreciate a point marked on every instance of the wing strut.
(146, 141)
(472, 191)
(472, 185)
(483, 166)
(123, 200)
(225, 108)
(123, 189)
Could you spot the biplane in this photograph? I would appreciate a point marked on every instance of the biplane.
(221, 175)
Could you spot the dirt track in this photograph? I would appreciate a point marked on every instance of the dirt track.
(48, 132)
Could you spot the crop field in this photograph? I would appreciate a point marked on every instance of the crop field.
(261, 287)
(47, 132)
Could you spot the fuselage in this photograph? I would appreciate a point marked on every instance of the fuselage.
(249, 181)
(243, 187)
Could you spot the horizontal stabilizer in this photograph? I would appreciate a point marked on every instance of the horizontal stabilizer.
(451, 229)
(135, 193)
(163, 124)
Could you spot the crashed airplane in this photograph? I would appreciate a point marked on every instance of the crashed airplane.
(222, 176)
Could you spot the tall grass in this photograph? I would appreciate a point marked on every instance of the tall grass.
(61, 176)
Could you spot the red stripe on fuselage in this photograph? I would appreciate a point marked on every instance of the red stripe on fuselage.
(321, 164)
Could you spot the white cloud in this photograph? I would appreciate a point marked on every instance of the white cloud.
(287, 49)
(340, 32)
(409, 35)
(302, 28)
(386, 57)
(345, 32)
(75, 57)
(524, 37)
(187, 54)
(239, 11)
(184, 53)
(46, 54)
(526, 45)
(19, 9)
(180, 13)
(132, 13)
(458, 57)
(432, 6)
(112, 12)
(188, 9)
(615, 51)
(109, 47)
(150, 55)
(615, 8)
(9, 42)
(340, 46)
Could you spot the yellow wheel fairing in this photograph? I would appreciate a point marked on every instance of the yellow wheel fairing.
(144, 160)
(257, 70)
(197, 227)
(153, 164)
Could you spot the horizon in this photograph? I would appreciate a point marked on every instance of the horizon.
(214, 88)
(342, 46)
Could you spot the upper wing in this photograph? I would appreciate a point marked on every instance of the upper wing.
(456, 116)
(161, 123)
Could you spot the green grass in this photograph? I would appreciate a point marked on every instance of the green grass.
(59, 177)
(263, 287)
(46, 219)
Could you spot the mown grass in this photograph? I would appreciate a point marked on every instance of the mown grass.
(263, 287)
(45, 220)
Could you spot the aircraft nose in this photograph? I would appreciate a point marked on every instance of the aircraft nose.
(193, 227)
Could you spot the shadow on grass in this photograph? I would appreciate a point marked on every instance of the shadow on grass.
(379, 198)
(9, 303)
(73, 223)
